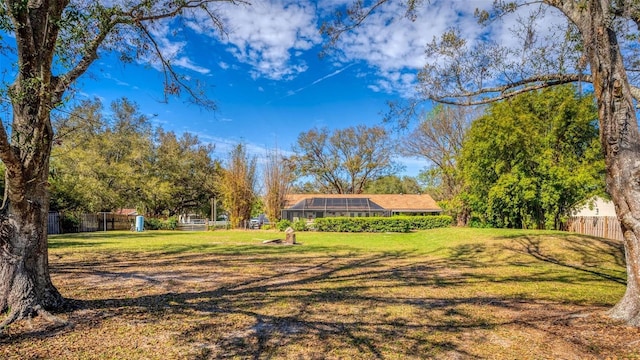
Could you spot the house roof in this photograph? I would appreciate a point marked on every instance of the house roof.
(394, 202)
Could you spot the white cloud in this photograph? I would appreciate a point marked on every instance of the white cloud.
(188, 64)
(394, 45)
(272, 37)
(172, 51)
(108, 76)
(268, 35)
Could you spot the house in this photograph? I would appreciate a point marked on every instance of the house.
(312, 206)
(596, 206)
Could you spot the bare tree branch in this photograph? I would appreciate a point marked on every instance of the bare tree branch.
(509, 90)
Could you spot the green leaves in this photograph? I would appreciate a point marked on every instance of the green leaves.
(121, 162)
(345, 160)
(528, 160)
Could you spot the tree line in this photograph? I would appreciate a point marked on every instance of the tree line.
(524, 163)
(107, 163)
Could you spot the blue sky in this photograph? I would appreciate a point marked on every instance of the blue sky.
(267, 78)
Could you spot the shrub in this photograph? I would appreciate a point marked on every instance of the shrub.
(159, 224)
(382, 224)
(362, 224)
(300, 225)
(170, 224)
(283, 224)
(69, 223)
(428, 222)
(152, 224)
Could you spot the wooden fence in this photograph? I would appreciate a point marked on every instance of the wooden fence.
(53, 225)
(606, 227)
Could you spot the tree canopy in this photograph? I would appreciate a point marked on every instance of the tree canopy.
(393, 184)
(532, 158)
(107, 163)
(343, 161)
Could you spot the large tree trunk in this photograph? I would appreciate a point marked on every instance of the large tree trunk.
(620, 139)
(25, 284)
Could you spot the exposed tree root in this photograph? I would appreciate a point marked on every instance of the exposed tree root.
(631, 316)
(57, 321)
(13, 316)
(19, 314)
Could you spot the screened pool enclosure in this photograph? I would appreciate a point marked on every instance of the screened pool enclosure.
(318, 207)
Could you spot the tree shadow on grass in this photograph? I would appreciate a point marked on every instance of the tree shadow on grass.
(265, 332)
(588, 255)
(314, 304)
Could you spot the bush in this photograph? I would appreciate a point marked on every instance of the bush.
(382, 224)
(428, 222)
(300, 225)
(362, 224)
(170, 224)
(152, 224)
(159, 224)
(283, 224)
(69, 223)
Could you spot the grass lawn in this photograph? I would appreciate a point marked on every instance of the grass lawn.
(445, 294)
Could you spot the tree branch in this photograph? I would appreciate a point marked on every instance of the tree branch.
(509, 90)
(136, 17)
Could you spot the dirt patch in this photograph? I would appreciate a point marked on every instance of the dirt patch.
(307, 306)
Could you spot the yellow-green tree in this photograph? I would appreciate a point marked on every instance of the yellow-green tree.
(237, 185)
(278, 177)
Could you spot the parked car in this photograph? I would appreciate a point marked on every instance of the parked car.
(254, 223)
(258, 222)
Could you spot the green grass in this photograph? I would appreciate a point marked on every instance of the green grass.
(220, 240)
(442, 293)
(545, 265)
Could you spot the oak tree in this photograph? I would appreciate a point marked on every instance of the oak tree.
(343, 161)
(55, 43)
(596, 44)
(393, 184)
